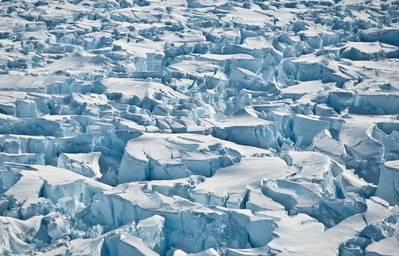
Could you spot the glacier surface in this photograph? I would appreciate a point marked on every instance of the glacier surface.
(199, 127)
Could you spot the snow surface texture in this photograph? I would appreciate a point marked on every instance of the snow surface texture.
(199, 127)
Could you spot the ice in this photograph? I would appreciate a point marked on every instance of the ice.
(235, 180)
(23, 158)
(84, 164)
(128, 245)
(204, 3)
(387, 184)
(26, 108)
(325, 143)
(121, 241)
(388, 36)
(305, 128)
(326, 241)
(68, 185)
(248, 130)
(15, 234)
(309, 68)
(151, 231)
(256, 201)
(319, 188)
(27, 187)
(63, 188)
(78, 247)
(208, 252)
(180, 217)
(157, 156)
(140, 93)
(387, 246)
(199, 127)
(368, 51)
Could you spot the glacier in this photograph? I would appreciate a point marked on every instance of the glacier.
(199, 127)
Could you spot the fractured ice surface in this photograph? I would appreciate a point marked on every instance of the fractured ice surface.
(233, 193)
(171, 156)
(84, 164)
(199, 127)
(190, 226)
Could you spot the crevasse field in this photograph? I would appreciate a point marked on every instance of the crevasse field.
(199, 127)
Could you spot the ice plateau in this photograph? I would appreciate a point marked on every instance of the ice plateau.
(199, 127)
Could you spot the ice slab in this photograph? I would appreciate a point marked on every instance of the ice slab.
(387, 184)
(158, 156)
(235, 180)
(85, 164)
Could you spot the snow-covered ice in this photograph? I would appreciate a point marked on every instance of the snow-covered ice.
(199, 127)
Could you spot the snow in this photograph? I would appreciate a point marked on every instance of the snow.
(310, 238)
(199, 127)
(388, 246)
